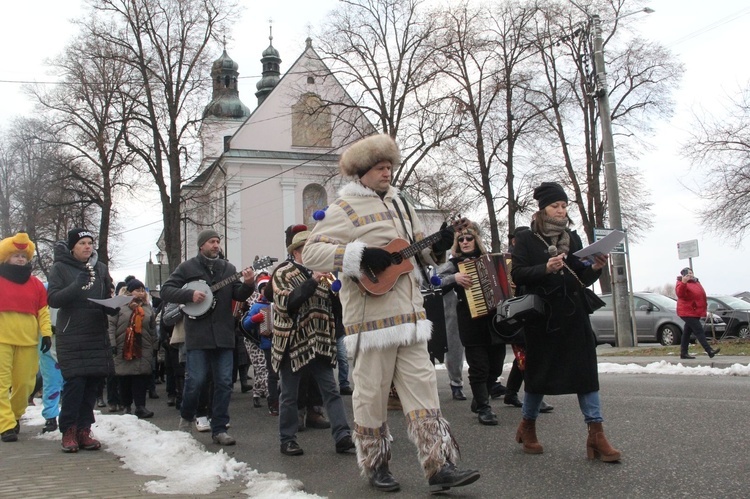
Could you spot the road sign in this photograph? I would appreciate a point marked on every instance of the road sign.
(687, 249)
(601, 233)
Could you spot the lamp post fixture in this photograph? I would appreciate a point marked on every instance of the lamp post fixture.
(160, 260)
(623, 323)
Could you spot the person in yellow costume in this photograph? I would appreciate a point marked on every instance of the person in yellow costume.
(23, 315)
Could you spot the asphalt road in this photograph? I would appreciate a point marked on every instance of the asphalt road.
(681, 436)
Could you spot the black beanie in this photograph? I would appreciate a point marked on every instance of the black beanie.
(548, 193)
(134, 284)
(75, 235)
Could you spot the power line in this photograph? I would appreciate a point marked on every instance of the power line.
(712, 26)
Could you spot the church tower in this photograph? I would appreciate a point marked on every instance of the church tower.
(271, 70)
(226, 112)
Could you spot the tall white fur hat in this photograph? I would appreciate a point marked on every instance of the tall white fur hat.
(366, 153)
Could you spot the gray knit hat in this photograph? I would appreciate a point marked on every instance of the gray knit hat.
(205, 235)
(366, 153)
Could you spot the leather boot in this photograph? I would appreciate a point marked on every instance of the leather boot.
(142, 413)
(511, 398)
(382, 479)
(70, 440)
(526, 435)
(598, 446)
(711, 352)
(86, 441)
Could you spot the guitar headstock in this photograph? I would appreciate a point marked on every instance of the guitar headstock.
(264, 262)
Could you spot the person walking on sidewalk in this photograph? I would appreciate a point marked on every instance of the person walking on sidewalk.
(83, 348)
(386, 334)
(691, 306)
(560, 344)
(209, 340)
(23, 315)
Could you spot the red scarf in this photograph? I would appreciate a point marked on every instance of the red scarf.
(132, 349)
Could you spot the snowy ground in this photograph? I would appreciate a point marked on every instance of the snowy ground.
(194, 470)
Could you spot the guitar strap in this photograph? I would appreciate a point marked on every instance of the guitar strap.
(411, 240)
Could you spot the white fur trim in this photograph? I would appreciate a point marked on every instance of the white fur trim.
(358, 190)
(405, 334)
(353, 258)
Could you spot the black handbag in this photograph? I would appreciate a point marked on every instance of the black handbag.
(592, 301)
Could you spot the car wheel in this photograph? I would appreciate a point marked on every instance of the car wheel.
(742, 331)
(669, 334)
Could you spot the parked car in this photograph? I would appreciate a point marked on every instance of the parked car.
(655, 317)
(734, 311)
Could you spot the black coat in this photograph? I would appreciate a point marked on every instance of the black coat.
(473, 332)
(83, 347)
(560, 347)
(216, 328)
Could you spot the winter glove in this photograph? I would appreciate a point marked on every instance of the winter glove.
(445, 243)
(82, 279)
(114, 351)
(258, 318)
(376, 259)
(46, 344)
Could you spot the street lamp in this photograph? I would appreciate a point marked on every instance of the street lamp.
(160, 260)
(623, 323)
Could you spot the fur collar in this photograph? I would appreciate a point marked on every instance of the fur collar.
(355, 188)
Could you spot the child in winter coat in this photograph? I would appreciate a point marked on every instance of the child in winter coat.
(23, 314)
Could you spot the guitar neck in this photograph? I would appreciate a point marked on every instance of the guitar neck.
(226, 281)
(415, 248)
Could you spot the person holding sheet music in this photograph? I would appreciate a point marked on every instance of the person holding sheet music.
(560, 345)
(209, 339)
(386, 332)
(484, 356)
(83, 349)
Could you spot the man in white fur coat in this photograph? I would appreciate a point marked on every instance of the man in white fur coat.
(387, 333)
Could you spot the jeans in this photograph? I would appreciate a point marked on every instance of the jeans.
(343, 362)
(320, 369)
(590, 405)
(199, 362)
(693, 325)
(78, 400)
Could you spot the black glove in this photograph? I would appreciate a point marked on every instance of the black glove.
(376, 259)
(114, 351)
(46, 344)
(445, 243)
(82, 279)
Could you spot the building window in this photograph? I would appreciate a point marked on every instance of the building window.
(311, 122)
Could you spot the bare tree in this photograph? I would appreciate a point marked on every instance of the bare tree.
(720, 145)
(642, 76)
(86, 113)
(381, 51)
(165, 43)
(42, 193)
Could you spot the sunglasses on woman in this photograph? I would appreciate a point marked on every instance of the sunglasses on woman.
(465, 238)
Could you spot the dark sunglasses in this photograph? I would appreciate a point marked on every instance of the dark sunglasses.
(465, 238)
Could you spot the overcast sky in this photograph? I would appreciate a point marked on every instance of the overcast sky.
(710, 38)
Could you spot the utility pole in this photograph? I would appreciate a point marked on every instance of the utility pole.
(621, 299)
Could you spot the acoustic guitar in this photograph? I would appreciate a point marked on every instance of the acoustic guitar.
(401, 252)
(199, 310)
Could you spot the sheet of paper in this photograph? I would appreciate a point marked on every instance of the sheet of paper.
(114, 302)
(602, 246)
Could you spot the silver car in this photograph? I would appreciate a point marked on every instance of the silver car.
(656, 320)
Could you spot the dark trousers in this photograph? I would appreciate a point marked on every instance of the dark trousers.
(78, 400)
(485, 365)
(515, 378)
(133, 388)
(273, 380)
(693, 326)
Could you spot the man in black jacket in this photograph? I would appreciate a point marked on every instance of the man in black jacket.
(209, 339)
